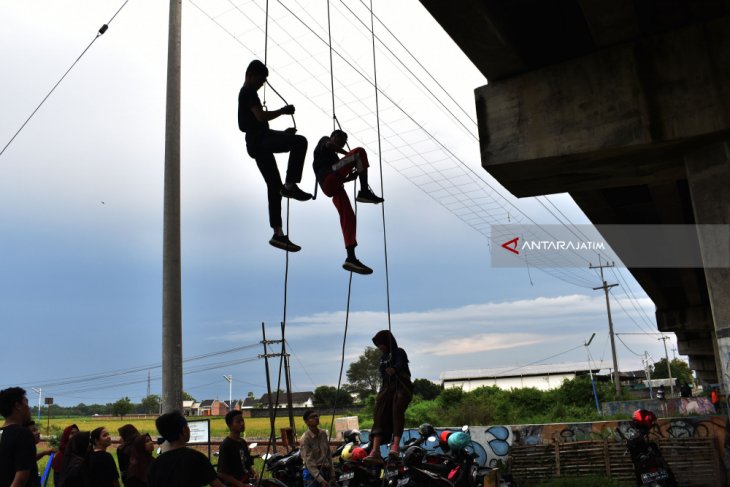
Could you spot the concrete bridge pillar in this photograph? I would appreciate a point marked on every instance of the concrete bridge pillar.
(708, 175)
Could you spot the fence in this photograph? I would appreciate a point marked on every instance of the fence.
(694, 461)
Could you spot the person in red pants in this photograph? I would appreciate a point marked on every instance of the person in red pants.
(332, 173)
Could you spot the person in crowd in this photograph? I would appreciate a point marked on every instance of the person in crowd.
(315, 452)
(102, 469)
(332, 172)
(715, 398)
(393, 398)
(18, 467)
(262, 143)
(74, 467)
(33, 427)
(235, 466)
(127, 433)
(180, 466)
(57, 463)
(685, 390)
(661, 392)
(140, 461)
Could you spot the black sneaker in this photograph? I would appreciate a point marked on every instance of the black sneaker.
(367, 196)
(296, 193)
(354, 265)
(282, 242)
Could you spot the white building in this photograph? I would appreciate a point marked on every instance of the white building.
(543, 377)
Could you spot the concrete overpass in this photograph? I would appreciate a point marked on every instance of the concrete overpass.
(624, 104)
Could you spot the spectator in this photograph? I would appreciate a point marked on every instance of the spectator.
(660, 392)
(37, 439)
(102, 469)
(180, 466)
(57, 463)
(75, 460)
(140, 461)
(18, 467)
(685, 390)
(128, 433)
(315, 451)
(715, 398)
(235, 467)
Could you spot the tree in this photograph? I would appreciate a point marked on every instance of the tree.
(122, 407)
(364, 373)
(680, 371)
(151, 404)
(325, 396)
(426, 389)
(187, 397)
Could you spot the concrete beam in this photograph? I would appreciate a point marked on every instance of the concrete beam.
(696, 318)
(612, 118)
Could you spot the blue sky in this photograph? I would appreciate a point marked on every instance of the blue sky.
(81, 207)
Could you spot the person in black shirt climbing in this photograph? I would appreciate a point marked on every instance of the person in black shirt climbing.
(332, 172)
(262, 143)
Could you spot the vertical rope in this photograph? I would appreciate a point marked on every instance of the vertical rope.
(332, 71)
(380, 160)
(266, 47)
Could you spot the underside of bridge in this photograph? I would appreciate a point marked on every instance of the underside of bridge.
(624, 104)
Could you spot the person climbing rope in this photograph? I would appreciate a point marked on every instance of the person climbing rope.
(332, 173)
(393, 398)
(262, 143)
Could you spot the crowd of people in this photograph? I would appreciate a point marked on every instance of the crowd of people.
(82, 459)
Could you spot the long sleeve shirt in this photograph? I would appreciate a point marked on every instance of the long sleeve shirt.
(315, 452)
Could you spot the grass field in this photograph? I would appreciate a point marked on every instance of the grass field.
(258, 428)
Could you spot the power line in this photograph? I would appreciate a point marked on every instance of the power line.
(99, 33)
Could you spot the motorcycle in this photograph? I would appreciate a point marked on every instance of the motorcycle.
(650, 468)
(286, 468)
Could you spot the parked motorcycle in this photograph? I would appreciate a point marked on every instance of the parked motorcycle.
(650, 467)
(286, 468)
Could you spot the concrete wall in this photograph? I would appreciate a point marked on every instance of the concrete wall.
(543, 383)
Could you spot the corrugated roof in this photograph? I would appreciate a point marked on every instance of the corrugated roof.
(517, 371)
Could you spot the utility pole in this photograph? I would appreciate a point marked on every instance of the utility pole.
(674, 353)
(590, 372)
(606, 287)
(39, 390)
(229, 378)
(287, 378)
(664, 339)
(647, 368)
(172, 380)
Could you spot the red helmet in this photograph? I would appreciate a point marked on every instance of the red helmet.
(358, 454)
(644, 418)
(444, 436)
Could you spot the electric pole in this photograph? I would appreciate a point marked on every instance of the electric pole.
(647, 365)
(606, 287)
(172, 380)
(40, 393)
(669, 368)
(229, 378)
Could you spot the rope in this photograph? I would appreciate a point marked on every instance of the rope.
(100, 33)
(380, 160)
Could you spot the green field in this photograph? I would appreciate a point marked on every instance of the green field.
(257, 428)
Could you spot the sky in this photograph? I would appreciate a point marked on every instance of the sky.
(81, 206)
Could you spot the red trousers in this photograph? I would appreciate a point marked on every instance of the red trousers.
(333, 186)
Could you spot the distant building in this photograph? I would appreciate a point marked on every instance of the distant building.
(543, 377)
(299, 400)
(191, 408)
(212, 407)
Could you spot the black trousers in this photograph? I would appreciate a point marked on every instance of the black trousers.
(262, 147)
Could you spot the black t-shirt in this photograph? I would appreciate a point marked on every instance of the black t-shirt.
(123, 458)
(234, 458)
(182, 467)
(247, 121)
(324, 158)
(17, 453)
(102, 469)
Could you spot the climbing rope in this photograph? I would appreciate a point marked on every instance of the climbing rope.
(100, 33)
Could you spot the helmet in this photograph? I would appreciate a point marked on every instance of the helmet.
(459, 440)
(351, 436)
(413, 456)
(347, 452)
(358, 454)
(444, 436)
(643, 418)
(426, 430)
